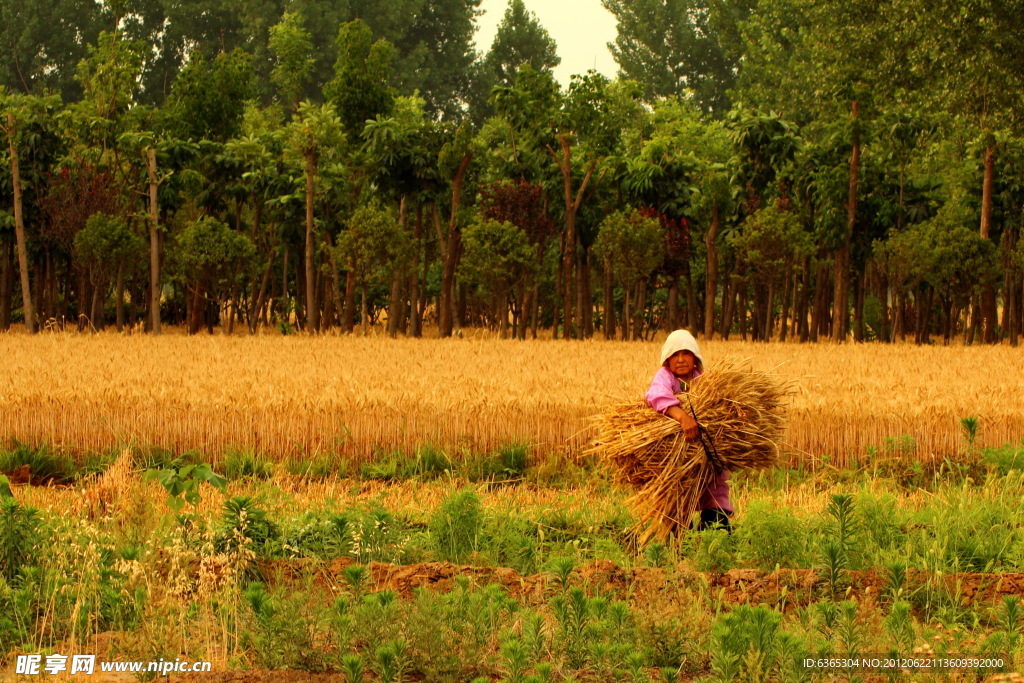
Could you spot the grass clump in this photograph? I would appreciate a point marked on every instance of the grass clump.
(247, 464)
(456, 524)
(41, 465)
(1006, 458)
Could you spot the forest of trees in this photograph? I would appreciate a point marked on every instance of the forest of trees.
(765, 169)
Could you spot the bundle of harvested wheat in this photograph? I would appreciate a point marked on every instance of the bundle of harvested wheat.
(742, 415)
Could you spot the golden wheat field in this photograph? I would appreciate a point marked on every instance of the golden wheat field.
(290, 397)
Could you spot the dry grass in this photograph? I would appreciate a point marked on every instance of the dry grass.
(294, 396)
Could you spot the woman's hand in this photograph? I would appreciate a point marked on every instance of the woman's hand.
(689, 425)
(690, 428)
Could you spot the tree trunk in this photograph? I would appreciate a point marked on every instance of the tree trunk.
(1011, 305)
(788, 294)
(261, 297)
(691, 301)
(842, 271)
(450, 251)
(587, 296)
(672, 305)
(96, 310)
(572, 206)
(350, 300)
(364, 315)
(609, 302)
(301, 294)
(627, 295)
(312, 309)
(154, 243)
(415, 319)
(729, 306)
(198, 308)
(6, 285)
(119, 300)
(804, 300)
(19, 230)
(711, 277)
(394, 307)
(988, 297)
(858, 306)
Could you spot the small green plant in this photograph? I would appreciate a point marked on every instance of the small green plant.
(515, 660)
(743, 643)
(1010, 618)
(900, 626)
(843, 522)
(895, 581)
(572, 608)
(244, 521)
(356, 576)
(656, 554)
(392, 660)
(182, 484)
(833, 560)
(711, 550)
(969, 428)
(562, 568)
(850, 633)
(352, 665)
(455, 525)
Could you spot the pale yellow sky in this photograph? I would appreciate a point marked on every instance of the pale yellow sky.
(582, 29)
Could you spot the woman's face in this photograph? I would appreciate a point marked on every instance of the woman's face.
(681, 364)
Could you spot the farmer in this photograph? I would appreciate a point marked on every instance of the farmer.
(682, 364)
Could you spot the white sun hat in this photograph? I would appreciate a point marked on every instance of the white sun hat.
(681, 340)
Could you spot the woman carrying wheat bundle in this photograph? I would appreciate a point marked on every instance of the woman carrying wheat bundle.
(682, 365)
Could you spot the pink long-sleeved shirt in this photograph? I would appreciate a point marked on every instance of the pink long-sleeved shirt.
(661, 396)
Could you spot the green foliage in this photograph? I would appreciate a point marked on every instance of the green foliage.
(372, 243)
(679, 49)
(497, 256)
(291, 45)
(713, 551)
(520, 39)
(360, 90)
(509, 462)
(19, 537)
(109, 75)
(456, 524)
(207, 253)
(769, 242)
(106, 245)
(630, 244)
(208, 100)
(182, 483)
(969, 427)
